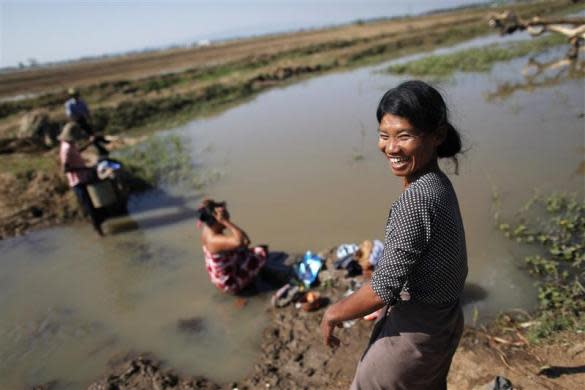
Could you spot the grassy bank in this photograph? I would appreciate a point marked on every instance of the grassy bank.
(479, 59)
(163, 161)
(554, 226)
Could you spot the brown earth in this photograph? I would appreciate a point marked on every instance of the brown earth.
(154, 63)
(293, 357)
(35, 199)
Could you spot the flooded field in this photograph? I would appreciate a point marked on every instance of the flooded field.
(300, 171)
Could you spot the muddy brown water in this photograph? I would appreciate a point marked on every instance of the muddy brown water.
(300, 171)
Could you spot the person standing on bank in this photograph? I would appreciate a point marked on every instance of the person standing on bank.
(424, 265)
(77, 112)
(77, 172)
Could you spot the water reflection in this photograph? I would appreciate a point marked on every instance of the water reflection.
(539, 74)
(155, 209)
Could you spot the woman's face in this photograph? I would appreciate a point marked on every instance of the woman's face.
(408, 150)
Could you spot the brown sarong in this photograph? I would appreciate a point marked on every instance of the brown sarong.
(411, 347)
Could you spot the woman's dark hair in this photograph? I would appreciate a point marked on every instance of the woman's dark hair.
(426, 110)
(206, 211)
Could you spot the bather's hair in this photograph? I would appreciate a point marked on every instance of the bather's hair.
(206, 210)
(424, 107)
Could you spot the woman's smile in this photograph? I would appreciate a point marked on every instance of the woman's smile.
(408, 151)
(399, 163)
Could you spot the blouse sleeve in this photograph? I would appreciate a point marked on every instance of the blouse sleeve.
(408, 233)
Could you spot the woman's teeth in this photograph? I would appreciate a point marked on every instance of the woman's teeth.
(398, 160)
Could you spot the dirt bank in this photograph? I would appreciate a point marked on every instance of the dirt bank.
(41, 80)
(293, 357)
(35, 199)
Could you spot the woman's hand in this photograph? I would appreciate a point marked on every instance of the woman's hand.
(362, 302)
(328, 325)
(221, 215)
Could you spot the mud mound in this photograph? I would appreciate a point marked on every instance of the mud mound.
(38, 200)
(144, 372)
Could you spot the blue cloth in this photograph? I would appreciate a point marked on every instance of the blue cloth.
(308, 269)
(377, 251)
(344, 250)
(76, 109)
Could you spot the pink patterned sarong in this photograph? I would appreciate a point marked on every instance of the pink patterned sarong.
(231, 271)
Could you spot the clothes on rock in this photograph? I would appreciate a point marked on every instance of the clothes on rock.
(376, 253)
(231, 271)
(345, 250)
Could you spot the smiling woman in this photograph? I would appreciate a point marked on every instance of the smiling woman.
(414, 129)
(420, 278)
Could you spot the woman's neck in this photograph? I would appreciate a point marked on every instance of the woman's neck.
(432, 166)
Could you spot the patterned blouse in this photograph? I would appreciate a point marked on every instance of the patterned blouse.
(425, 258)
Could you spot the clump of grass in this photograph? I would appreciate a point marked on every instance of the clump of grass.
(556, 223)
(25, 167)
(159, 162)
(480, 59)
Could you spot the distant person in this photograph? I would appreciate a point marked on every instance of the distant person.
(230, 263)
(78, 112)
(420, 276)
(77, 172)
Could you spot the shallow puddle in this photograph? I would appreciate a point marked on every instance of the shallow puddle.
(301, 171)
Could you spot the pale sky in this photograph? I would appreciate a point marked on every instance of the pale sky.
(47, 30)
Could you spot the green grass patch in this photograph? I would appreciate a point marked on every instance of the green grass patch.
(162, 161)
(25, 166)
(480, 59)
(556, 224)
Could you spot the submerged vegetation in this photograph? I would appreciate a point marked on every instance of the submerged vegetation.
(479, 59)
(162, 161)
(556, 224)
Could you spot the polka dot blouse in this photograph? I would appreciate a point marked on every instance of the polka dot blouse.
(425, 257)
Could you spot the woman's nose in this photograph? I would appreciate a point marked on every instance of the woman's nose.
(391, 146)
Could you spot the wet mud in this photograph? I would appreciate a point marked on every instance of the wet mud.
(293, 355)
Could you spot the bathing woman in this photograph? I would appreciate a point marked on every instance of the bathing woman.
(421, 275)
(230, 264)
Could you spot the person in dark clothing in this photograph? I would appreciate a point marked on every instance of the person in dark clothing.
(77, 172)
(420, 277)
(78, 112)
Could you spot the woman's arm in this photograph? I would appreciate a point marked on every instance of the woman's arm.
(237, 238)
(356, 305)
(240, 237)
(87, 144)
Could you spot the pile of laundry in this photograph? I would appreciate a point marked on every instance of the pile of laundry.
(359, 259)
(310, 271)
